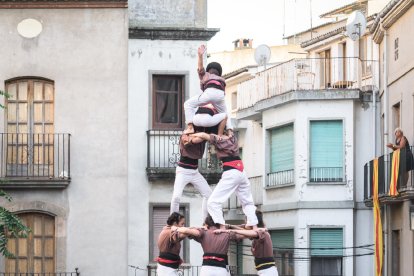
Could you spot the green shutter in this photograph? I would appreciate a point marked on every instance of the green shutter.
(282, 239)
(281, 149)
(326, 150)
(326, 238)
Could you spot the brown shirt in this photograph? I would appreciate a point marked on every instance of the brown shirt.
(225, 147)
(215, 243)
(169, 241)
(206, 76)
(193, 151)
(262, 245)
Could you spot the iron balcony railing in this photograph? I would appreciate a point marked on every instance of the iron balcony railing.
(304, 74)
(188, 270)
(75, 273)
(326, 174)
(35, 155)
(405, 181)
(163, 153)
(276, 179)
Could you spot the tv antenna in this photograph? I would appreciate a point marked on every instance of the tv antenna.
(262, 55)
(356, 25)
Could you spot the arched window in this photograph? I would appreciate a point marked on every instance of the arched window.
(30, 126)
(36, 253)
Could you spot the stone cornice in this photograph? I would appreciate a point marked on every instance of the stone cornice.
(164, 33)
(62, 4)
(388, 16)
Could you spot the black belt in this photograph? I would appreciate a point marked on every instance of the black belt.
(188, 163)
(263, 263)
(213, 259)
(169, 259)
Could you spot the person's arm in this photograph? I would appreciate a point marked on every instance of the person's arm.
(201, 51)
(244, 233)
(201, 135)
(189, 231)
(236, 227)
(400, 146)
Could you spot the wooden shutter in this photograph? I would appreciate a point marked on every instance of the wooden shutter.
(326, 238)
(36, 253)
(282, 239)
(282, 143)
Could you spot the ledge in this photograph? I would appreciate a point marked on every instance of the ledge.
(280, 186)
(34, 183)
(61, 4)
(165, 33)
(298, 205)
(325, 183)
(388, 200)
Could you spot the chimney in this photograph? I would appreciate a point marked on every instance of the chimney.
(243, 43)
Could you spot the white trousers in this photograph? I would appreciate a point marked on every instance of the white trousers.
(163, 270)
(271, 271)
(210, 95)
(232, 181)
(207, 270)
(206, 120)
(184, 176)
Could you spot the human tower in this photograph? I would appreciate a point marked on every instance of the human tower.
(207, 120)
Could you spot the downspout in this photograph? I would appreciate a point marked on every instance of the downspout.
(386, 130)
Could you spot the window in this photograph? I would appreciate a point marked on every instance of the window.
(396, 115)
(396, 48)
(167, 101)
(158, 219)
(363, 56)
(344, 63)
(234, 101)
(326, 262)
(30, 124)
(36, 253)
(325, 68)
(283, 251)
(326, 151)
(281, 155)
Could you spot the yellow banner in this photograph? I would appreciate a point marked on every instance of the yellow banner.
(379, 253)
(395, 167)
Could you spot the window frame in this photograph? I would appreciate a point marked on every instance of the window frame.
(185, 242)
(184, 75)
(310, 120)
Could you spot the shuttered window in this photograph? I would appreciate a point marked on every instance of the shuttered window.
(326, 251)
(283, 244)
(281, 149)
(158, 220)
(326, 151)
(36, 253)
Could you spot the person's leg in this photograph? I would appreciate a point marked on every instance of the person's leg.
(271, 271)
(220, 104)
(244, 194)
(206, 120)
(226, 186)
(200, 183)
(182, 178)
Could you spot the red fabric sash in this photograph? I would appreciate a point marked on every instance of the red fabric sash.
(237, 164)
(162, 260)
(213, 258)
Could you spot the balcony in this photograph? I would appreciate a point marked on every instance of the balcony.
(185, 270)
(163, 153)
(76, 273)
(304, 76)
(405, 182)
(34, 160)
(280, 179)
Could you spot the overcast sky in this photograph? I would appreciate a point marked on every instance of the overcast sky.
(265, 21)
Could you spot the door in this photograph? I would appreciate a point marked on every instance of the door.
(30, 126)
(325, 69)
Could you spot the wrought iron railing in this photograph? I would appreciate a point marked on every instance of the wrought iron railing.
(327, 174)
(163, 152)
(303, 74)
(280, 178)
(405, 181)
(188, 270)
(35, 155)
(75, 273)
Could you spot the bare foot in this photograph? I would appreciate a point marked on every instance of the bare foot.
(189, 129)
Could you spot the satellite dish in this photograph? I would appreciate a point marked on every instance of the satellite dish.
(356, 25)
(262, 55)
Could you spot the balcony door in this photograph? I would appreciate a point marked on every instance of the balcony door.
(36, 253)
(30, 127)
(325, 69)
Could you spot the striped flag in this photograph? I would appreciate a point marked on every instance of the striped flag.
(395, 167)
(379, 253)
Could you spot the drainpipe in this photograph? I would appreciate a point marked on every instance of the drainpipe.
(386, 130)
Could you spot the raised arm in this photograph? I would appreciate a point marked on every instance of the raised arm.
(201, 50)
(201, 135)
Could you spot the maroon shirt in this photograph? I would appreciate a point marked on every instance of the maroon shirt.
(262, 245)
(193, 151)
(225, 147)
(169, 241)
(205, 77)
(215, 243)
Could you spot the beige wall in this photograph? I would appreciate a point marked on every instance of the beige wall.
(84, 51)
